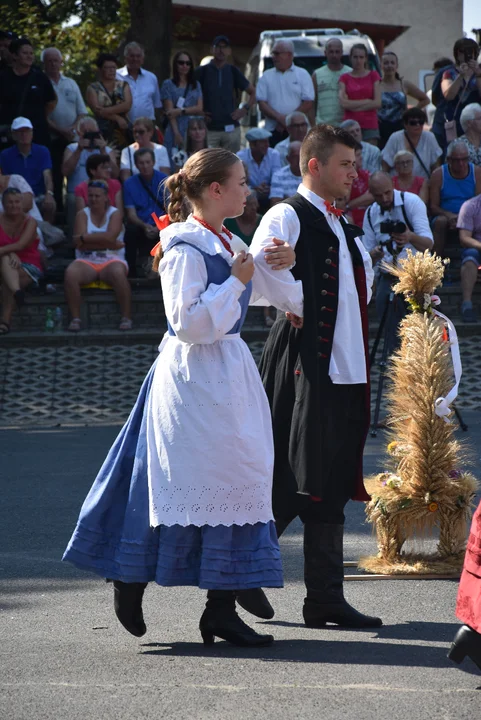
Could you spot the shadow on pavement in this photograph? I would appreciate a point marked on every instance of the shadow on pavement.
(316, 651)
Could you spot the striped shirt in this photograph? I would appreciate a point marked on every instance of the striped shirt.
(284, 183)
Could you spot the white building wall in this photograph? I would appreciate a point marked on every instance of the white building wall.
(434, 25)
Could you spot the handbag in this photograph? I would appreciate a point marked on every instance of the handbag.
(417, 155)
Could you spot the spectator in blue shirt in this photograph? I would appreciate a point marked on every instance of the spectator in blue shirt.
(143, 195)
(261, 161)
(286, 180)
(33, 163)
(222, 85)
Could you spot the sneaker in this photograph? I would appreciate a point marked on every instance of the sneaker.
(469, 315)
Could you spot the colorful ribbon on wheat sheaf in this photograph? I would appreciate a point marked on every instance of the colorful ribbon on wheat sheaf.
(441, 406)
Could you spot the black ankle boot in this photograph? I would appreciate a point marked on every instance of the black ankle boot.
(467, 642)
(255, 602)
(324, 577)
(221, 620)
(128, 606)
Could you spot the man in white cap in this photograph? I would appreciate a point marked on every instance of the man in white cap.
(33, 162)
(261, 161)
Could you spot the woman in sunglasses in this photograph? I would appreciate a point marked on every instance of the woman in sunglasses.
(182, 98)
(421, 143)
(143, 130)
(405, 180)
(20, 261)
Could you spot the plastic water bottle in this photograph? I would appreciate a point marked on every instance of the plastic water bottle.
(58, 319)
(49, 321)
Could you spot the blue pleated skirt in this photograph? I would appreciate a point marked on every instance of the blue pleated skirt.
(113, 537)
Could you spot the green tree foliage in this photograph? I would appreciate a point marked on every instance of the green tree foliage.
(80, 30)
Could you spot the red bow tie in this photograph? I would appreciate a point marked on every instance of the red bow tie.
(332, 209)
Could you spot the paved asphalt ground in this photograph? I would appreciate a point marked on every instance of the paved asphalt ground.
(63, 654)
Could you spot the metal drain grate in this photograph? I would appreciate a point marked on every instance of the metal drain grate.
(99, 384)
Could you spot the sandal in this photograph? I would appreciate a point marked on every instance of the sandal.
(75, 325)
(4, 328)
(125, 324)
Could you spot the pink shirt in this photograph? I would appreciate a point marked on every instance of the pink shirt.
(114, 186)
(361, 88)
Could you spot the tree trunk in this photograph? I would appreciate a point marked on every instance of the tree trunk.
(151, 27)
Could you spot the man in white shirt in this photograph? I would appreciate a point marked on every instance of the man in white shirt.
(282, 90)
(315, 370)
(286, 180)
(371, 155)
(63, 120)
(143, 83)
(384, 241)
(297, 125)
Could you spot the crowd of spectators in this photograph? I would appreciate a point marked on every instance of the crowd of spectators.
(99, 161)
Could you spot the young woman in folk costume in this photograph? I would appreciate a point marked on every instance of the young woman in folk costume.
(184, 496)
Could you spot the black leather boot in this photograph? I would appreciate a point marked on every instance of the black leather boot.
(128, 606)
(255, 602)
(324, 577)
(221, 620)
(467, 642)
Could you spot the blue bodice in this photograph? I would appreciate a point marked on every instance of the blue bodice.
(218, 271)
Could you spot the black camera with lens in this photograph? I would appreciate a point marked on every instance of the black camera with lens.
(92, 135)
(389, 227)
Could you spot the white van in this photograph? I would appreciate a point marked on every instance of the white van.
(309, 51)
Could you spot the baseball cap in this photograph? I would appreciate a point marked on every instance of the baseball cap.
(21, 122)
(221, 38)
(258, 134)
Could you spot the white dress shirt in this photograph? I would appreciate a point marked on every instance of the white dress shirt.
(284, 91)
(348, 362)
(416, 213)
(145, 93)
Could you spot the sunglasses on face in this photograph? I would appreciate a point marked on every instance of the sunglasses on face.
(184, 62)
(413, 123)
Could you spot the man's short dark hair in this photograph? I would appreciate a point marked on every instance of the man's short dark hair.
(16, 45)
(319, 143)
(414, 114)
(144, 151)
(94, 162)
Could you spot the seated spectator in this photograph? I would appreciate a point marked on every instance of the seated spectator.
(196, 139)
(246, 224)
(90, 142)
(262, 162)
(371, 155)
(20, 262)
(471, 123)
(99, 254)
(110, 100)
(32, 162)
(282, 90)
(182, 98)
(360, 197)
(98, 168)
(26, 91)
(143, 131)
(451, 185)
(286, 180)
(29, 206)
(143, 195)
(469, 226)
(455, 87)
(64, 119)
(297, 125)
(360, 94)
(423, 145)
(405, 180)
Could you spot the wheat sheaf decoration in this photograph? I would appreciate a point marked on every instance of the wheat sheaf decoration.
(424, 486)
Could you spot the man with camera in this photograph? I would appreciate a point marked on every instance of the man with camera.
(75, 157)
(395, 222)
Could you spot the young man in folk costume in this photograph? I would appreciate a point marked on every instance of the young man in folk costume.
(315, 372)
